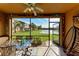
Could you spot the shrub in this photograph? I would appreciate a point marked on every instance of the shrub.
(36, 42)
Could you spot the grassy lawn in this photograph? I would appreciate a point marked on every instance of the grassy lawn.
(36, 34)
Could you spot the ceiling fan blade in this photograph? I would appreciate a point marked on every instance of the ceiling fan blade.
(27, 9)
(27, 4)
(35, 14)
(40, 9)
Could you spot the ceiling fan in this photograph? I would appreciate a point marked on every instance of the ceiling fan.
(31, 7)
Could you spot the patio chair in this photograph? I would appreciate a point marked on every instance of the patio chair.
(27, 52)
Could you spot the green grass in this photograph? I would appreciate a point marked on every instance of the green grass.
(35, 34)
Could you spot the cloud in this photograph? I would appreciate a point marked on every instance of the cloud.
(45, 25)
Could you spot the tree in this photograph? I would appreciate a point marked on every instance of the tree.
(33, 26)
(39, 27)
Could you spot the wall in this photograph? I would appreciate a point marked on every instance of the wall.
(3, 25)
(69, 20)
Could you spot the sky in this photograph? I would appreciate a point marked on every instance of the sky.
(40, 21)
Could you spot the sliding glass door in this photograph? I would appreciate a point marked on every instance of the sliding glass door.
(55, 30)
(35, 32)
(34, 29)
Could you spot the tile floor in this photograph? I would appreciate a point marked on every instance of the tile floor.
(51, 51)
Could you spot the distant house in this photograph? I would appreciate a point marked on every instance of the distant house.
(23, 28)
(18, 28)
(26, 27)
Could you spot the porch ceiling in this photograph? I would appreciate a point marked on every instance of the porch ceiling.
(48, 7)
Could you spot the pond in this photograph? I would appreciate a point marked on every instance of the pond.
(51, 31)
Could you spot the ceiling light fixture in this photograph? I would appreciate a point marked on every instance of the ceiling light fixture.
(31, 7)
